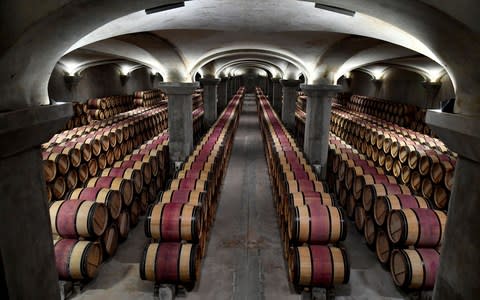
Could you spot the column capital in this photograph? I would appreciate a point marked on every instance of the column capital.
(210, 81)
(29, 127)
(179, 88)
(290, 82)
(313, 90)
(458, 131)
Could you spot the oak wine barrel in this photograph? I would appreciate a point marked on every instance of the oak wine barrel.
(173, 222)
(316, 265)
(383, 247)
(419, 227)
(109, 240)
(77, 260)
(133, 175)
(414, 269)
(175, 263)
(123, 224)
(78, 218)
(372, 192)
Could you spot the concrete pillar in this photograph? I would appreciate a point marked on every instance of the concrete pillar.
(317, 124)
(277, 95)
(210, 100)
(26, 248)
(222, 95)
(457, 277)
(431, 91)
(229, 87)
(180, 124)
(289, 92)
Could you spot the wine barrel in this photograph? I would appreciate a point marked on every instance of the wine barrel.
(134, 213)
(439, 169)
(427, 188)
(58, 187)
(124, 186)
(95, 145)
(188, 184)
(77, 260)
(316, 224)
(384, 205)
(441, 197)
(123, 224)
(415, 181)
(305, 186)
(414, 269)
(372, 192)
(368, 179)
(133, 175)
(102, 161)
(53, 163)
(173, 222)
(175, 263)
(419, 227)
(383, 247)
(316, 265)
(194, 197)
(71, 179)
(305, 198)
(83, 173)
(78, 218)
(405, 174)
(370, 231)
(109, 240)
(112, 199)
(359, 216)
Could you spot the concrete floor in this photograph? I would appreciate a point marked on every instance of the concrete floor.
(244, 256)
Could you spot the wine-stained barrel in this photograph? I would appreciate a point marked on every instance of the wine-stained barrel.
(110, 198)
(77, 260)
(374, 191)
(73, 154)
(124, 186)
(78, 218)
(123, 223)
(173, 222)
(58, 187)
(384, 205)
(316, 224)
(370, 231)
(175, 263)
(189, 184)
(419, 227)
(316, 265)
(305, 198)
(383, 247)
(135, 176)
(54, 163)
(414, 269)
(152, 160)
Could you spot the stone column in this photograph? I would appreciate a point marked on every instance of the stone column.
(457, 277)
(277, 95)
(180, 124)
(431, 91)
(289, 92)
(222, 95)
(26, 248)
(317, 125)
(210, 100)
(270, 89)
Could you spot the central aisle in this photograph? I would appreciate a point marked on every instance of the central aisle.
(244, 257)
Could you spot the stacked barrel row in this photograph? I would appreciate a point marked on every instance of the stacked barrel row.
(178, 223)
(107, 107)
(310, 223)
(402, 228)
(90, 222)
(417, 160)
(72, 157)
(80, 115)
(190, 200)
(409, 116)
(149, 97)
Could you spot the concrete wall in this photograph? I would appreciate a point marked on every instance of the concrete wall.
(399, 85)
(98, 81)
